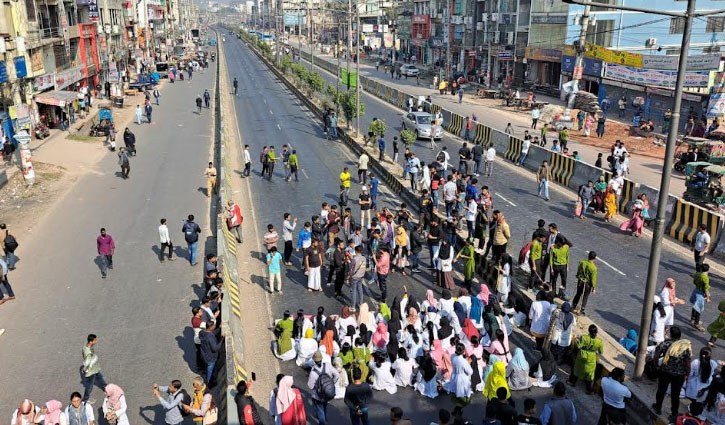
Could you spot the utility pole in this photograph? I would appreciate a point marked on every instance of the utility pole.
(312, 43)
(357, 68)
(579, 63)
(448, 38)
(349, 39)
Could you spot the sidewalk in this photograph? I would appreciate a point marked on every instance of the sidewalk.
(643, 168)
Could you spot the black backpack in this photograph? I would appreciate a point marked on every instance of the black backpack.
(325, 386)
(10, 243)
(185, 399)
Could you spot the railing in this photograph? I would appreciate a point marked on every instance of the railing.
(50, 32)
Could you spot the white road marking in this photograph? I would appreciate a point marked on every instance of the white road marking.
(304, 173)
(610, 266)
(270, 112)
(512, 204)
(265, 100)
(279, 128)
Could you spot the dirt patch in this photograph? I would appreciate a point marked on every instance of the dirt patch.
(21, 206)
(83, 138)
(614, 131)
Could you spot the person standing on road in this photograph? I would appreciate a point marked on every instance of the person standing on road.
(345, 179)
(382, 268)
(275, 273)
(157, 96)
(191, 232)
(286, 152)
(207, 98)
(468, 129)
(247, 161)
(129, 140)
(676, 355)
(586, 194)
(4, 282)
(198, 104)
(78, 411)
(509, 129)
(365, 206)
(148, 109)
(542, 176)
(316, 384)
(294, 164)
(535, 114)
(614, 391)
(210, 347)
(488, 161)
(10, 244)
(586, 281)
(333, 126)
(236, 86)
(559, 262)
(559, 409)
(91, 370)
(381, 147)
(106, 246)
(525, 145)
(396, 149)
(246, 406)
(362, 168)
(287, 228)
(501, 235)
(357, 396)
(355, 278)
(210, 174)
(702, 245)
(700, 296)
(124, 162)
(139, 115)
(233, 214)
(165, 241)
(589, 347)
(477, 153)
(271, 159)
(171, 399)
(460, 95)
(413, 168)
(313, 263)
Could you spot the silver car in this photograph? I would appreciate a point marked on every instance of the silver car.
(420, 123)
(409, 70)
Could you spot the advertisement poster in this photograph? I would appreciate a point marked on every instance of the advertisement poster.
(592, 67)
(21, 70)
(650, 77)
(633, 60)
(716, 106)
(671, 63)
(93, 10)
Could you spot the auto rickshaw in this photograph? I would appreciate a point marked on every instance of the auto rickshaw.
(703, 184)
(697, 149)
(105, 121)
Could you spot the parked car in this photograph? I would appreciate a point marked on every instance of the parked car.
(409, 70)
(420, 123)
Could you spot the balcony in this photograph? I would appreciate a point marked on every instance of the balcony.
(50, 33)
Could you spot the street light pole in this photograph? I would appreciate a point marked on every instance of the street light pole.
(349, 39)
(579, 62)
(659, 229)
(357, 69)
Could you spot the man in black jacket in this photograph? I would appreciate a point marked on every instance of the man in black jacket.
(210, 347)
(246, 406)
(502, 409)
(417, 240)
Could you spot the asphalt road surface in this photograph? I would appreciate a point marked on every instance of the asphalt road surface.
(141, 312)
(269, 114)
(622, 258)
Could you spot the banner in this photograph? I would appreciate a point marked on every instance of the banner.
(93, 10)
(21, 70)
(66, 78)
(633, 60)
(43, 82)
(541, 54)
(716, 106)
(592, 67)
(650, 77)
(694, 63)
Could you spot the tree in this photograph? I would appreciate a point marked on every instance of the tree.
(349, 103)
(377, 128)
(315, 82)
(407, 136)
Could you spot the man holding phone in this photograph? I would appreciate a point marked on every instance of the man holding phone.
(170, 398)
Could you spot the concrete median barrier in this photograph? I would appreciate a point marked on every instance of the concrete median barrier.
(562, 168)
(483, 135)
(513, 151)
(686, 217)
(455, 124)
(500, 142)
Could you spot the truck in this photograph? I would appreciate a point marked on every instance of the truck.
(144, 81)
(195, 35)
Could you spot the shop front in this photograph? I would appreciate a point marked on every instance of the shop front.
(421, 32)
(544, 65)
(88, 47)
(55, 108)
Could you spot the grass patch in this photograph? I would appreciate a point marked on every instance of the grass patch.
(82, 138)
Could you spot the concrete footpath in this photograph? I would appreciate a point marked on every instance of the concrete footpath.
(643, 169)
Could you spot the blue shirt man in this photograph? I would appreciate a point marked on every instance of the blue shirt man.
(381, 146)
(374, 182)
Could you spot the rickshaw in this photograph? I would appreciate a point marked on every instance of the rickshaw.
(105, 121)
(697, 149)
(702, 183)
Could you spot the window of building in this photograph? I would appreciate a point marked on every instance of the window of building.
(602, 33)
(677, 25)
(458, 7)
(715, 24)
(30, 10)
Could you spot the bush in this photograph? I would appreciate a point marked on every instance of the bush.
(315, 82)
(407, 136)
(377, 127)
(349, 105)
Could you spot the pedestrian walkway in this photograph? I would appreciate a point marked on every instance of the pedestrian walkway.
(644, 169)
(141, 310)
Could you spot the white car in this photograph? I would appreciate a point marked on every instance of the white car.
(420, 122)
(409, 70)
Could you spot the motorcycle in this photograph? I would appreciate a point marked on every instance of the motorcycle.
(41, 132)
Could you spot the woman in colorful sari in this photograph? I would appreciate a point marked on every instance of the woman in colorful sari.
(467, 253)
(635, 223)
(600, 188)
(586, 359)
(283, 331)
(610, 204)
(645, 207)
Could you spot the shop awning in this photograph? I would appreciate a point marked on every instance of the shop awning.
(56, 97)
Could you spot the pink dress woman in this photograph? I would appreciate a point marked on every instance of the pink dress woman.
(588, 125)
(637, 221)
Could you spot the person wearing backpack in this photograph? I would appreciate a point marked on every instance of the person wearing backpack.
(321, 382)
(201, 406)
(191, 232)
(10, 244)
(246, 406)
(173, 401)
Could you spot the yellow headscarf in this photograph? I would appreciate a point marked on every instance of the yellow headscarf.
(495, 380)
(309, 333)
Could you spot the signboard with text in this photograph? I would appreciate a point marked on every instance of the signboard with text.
(21, 70)
(650, 77)
(592, 67)
(694, 63)
(66, 78)
(633, 60)
(93, 13)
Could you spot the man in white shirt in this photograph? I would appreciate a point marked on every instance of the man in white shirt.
(619, 151)
(539, 314)
(288, 227)
(616, 183)
(535, 114)
(613, 409)
(449, 195)
(362, 168)
(702, 245)
(443, 157)
(488, 160)
(524, 151)
(165, 240)
(471, 208)
(247, 161)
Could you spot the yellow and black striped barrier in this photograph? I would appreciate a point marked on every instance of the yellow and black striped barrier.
(513, 152)
(562, 168)
(434, 108)
(401, 100)
(388, 93)
(627, 195)
(483, 135)
(456, 124)
(686, 217)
